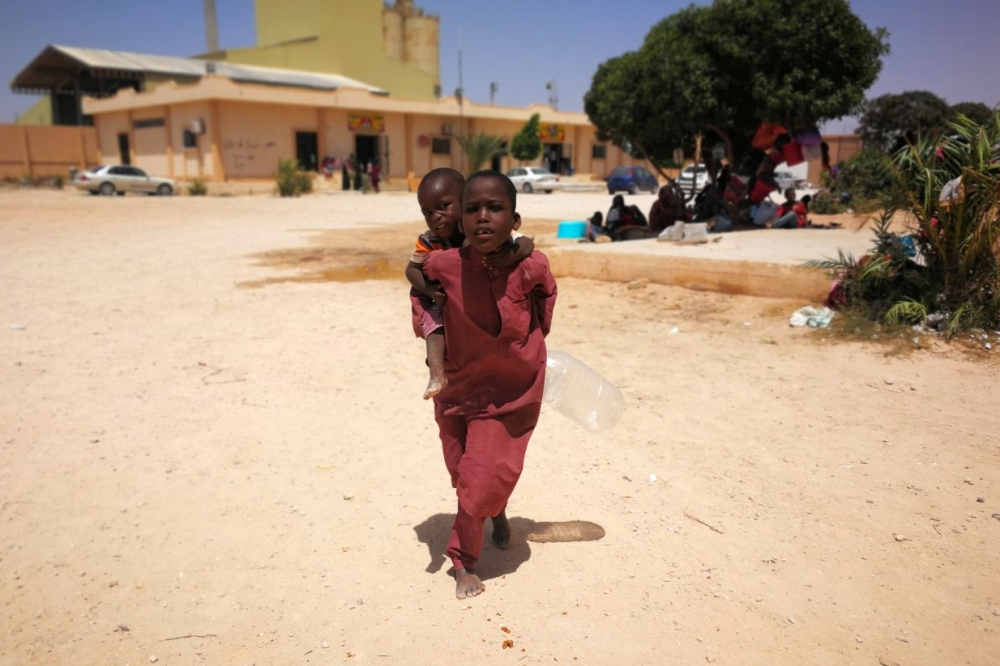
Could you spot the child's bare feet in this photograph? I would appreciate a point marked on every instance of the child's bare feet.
(501, 531)
(435, 386)
(467, 584)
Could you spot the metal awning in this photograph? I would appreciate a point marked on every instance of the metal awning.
(59, 67)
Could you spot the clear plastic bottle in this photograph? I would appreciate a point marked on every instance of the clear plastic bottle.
(578, 392)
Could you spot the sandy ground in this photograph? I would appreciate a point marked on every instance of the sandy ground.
(212, 453)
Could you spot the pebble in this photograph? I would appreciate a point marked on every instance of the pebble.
(607, 591)
(900, 538)
(980, 499)
(675, 330)
(324, 644)
(153, 659)
(348, 496)
(996, 611)
(889, 382)
(641, 283)
(859, 639)
(988, 346)
(791, 620)
(710, 659)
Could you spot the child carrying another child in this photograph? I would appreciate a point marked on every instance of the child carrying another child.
(440, 199)
(495, 323)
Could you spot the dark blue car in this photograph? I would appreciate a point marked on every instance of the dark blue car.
(632, 179)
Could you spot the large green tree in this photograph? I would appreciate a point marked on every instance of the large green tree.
(977, 112)
(728, 66)
(526, 145)
(888, 120)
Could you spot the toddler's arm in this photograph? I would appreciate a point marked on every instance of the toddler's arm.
(431, 289)
(518, 249)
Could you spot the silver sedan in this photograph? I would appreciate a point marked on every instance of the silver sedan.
(108, 180)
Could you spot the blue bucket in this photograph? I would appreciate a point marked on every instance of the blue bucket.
(572, 229)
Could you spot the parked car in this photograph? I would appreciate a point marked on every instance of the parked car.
(632, 179)
(529, 179)
(119, 179)
(693, 180)
(784, 180)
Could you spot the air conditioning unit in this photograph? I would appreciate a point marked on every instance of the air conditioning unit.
(197, 127)
(448, 130)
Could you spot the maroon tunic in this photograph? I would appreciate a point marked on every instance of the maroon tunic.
(495, 322)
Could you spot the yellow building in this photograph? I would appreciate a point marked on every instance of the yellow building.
(391, 47)
(219, 129)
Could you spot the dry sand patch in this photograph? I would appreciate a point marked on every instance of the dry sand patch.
(250, 476)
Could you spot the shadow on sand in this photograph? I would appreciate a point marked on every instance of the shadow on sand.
(436, 530)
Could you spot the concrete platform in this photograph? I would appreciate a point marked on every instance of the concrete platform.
(768, 262)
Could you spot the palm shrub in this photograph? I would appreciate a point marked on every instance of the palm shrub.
(197, 188)
(292, 181)
(479, 148)
(947, 265)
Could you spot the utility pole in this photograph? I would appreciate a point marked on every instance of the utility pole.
(493, 91)
(211, 26)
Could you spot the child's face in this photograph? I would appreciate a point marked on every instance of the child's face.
(441, 204)
(487, 215)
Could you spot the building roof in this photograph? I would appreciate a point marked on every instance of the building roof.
(219, 88)
(57, 65)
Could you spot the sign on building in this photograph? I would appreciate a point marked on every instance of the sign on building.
(365, 122)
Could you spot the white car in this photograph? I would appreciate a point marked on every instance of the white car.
(693, 180)
(529, 179)
(119, 179)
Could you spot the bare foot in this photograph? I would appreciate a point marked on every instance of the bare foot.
(467, 584)
(435, 386)
(501, 531)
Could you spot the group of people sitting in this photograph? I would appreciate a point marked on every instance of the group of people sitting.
(627, 222)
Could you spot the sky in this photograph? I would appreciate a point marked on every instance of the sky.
(950, 48)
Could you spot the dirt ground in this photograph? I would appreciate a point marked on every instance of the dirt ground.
(213, 450)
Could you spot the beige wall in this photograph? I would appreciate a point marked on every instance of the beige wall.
(150, 143)
(246, 139)
(256, 137)
(189, 163)
(109, 126)
(39, 151)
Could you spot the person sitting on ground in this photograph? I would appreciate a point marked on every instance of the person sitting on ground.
(617, 206)
(440, 197)
(664, 211)
(791, 214)
(596, 233)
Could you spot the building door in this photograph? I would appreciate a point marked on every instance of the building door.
(124, 152)
(496, 163)
(306, 150)
(554, 157)
(366, 149)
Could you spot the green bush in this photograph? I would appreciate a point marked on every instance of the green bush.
(197, 188)
(946, 270)
(292, 181)
(58, 182)
(870, 175)
(825, 203)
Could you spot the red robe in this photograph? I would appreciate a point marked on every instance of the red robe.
(495, 323)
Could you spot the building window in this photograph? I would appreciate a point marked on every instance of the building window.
(599, 152)
(441, 146)
(148, 122)
(190, 139)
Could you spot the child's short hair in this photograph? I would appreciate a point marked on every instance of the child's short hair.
(496, 175)
(442, 173)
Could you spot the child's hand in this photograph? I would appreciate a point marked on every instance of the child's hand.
(502, 258)
(437, 294)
